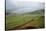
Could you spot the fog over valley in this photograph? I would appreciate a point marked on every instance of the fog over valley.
(23, 7)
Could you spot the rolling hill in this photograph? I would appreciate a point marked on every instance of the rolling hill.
(37, 12)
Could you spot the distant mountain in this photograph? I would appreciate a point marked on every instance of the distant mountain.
(40, 12)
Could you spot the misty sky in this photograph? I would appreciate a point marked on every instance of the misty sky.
(23, 6)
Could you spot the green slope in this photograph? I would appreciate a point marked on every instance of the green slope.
(13, 21)
(33, 18)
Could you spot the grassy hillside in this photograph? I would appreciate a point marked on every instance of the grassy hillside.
(32, 19)
(14, 21)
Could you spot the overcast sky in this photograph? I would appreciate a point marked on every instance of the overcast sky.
(22, 6)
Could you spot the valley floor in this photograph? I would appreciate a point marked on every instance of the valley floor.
(24, 22)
